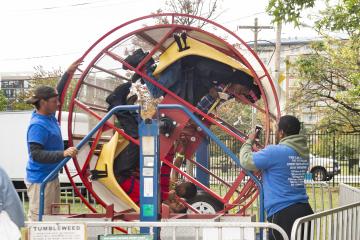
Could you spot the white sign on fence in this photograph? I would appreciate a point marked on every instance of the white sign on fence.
(57, 231)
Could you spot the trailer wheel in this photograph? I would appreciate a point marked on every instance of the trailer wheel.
(205, 203)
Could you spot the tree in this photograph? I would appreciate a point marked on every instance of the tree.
(207, 9)
(329, 81)
(339, 146)
(40, 77)
(345, 17)
(288, 10)
(45, 77)
(3, 101)
(329, 77)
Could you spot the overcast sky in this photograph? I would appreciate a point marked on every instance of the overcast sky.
(53, 33)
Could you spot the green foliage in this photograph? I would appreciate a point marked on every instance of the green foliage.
(288, 10)
(345, 17)
(40, 77)
(21, 105)
(68, 95)
(344, 146)
(329, 81)
(45, 77)
(329, 77)
(230, 112)
(3, 101)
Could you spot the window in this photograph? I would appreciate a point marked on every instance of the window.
(4, 84)
(10, 93)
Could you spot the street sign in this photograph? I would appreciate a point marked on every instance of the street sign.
(57, 231)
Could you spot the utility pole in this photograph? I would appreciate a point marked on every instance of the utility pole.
(256, 29)
(277, 51)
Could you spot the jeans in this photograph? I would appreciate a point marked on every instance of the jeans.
(170, 78)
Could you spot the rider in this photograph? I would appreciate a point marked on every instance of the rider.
(126, 164)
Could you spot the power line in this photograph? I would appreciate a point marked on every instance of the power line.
(38, 57)
(56, 55)
(236, 19)
(83, 4)
(62, 8)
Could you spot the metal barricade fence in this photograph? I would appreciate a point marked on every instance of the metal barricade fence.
(348, 194)
(320, 196)
(191, 227)
(340, 223)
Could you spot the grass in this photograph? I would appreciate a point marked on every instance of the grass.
(319, 198)
(76, 206)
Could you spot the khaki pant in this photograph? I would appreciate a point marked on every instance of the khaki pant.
(52, 195)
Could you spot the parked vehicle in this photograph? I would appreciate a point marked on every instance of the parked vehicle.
(322, 168)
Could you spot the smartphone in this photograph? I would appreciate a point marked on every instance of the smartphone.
(258, 130)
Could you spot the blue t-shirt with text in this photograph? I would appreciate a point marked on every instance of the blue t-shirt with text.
(283, 172)
(44, 130)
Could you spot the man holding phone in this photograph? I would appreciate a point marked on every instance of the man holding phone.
(283, 169)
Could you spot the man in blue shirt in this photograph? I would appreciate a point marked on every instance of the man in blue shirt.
(9, 200)
(283, 168)
(45, 148)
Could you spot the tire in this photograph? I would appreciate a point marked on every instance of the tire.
(319, 174)
(205, 203)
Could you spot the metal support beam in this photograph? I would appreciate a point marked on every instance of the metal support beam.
(149, 174)
(150, 40)
(203, 157)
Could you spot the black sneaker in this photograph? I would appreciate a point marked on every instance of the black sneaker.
(135, 58)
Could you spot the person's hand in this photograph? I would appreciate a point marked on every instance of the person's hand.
(70, 152)
(252, 136)
(74, 65)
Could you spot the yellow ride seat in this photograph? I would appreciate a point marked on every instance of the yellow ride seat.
(197, 48)
(105, 162)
